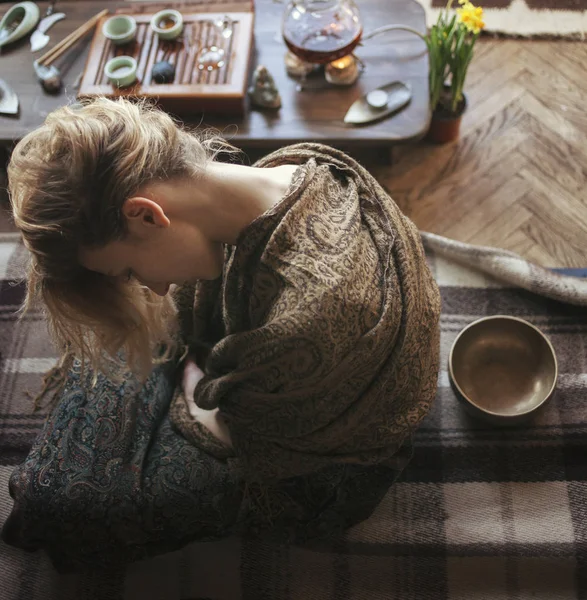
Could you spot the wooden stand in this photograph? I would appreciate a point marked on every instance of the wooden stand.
(222, 91)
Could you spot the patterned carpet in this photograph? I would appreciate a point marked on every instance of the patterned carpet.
(527, 18)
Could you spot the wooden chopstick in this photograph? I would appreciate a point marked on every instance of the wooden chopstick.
(65, 44)
(71, 39)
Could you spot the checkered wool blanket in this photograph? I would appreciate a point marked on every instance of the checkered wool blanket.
(480, 512)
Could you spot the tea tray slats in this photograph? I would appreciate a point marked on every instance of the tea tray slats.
(220, 91)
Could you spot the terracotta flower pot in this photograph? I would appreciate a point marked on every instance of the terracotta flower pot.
(445, 126)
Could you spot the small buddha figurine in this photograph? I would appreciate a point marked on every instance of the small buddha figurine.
(263, 91)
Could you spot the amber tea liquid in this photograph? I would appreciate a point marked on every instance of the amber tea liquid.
(323, 46)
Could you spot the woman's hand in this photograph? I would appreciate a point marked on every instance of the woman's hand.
(211, 419)
(191, 376)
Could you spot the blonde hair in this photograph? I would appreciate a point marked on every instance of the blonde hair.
(68, 181)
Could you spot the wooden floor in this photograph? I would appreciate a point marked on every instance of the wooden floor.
(517, 178)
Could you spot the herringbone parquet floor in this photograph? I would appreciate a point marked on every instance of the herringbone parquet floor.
(517, 177)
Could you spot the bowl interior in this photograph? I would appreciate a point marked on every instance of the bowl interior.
(167, 21)
(15, 16)
(118, 26)
(504, 366)
(120, 66)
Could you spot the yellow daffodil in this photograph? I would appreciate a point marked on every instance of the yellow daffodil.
(471, 16)
(450, 49)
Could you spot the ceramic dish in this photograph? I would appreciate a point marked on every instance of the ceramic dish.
(167, 24)
(18, 21)
(121, 71)
(120, 29)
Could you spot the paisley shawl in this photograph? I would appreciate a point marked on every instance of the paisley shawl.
(322, 336)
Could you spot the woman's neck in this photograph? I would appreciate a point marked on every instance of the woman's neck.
(230, 197)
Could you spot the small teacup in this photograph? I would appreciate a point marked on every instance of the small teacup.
(121, 71)
(120, 29)
(167, 24)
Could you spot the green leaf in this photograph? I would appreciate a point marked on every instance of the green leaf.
(450, 51)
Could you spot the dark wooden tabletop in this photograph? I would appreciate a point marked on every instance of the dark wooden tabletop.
(312, 115)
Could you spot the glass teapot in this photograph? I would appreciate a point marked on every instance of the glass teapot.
(320, 31)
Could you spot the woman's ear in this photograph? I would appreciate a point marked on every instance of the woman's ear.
(143, 212)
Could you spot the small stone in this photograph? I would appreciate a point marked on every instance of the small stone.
(377, 99)
(163, 72)
(263, 91)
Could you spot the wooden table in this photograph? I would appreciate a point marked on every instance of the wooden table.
(315, 115)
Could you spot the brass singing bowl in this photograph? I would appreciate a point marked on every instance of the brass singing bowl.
(503, 368)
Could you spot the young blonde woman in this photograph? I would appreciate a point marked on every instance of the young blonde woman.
(246, 349)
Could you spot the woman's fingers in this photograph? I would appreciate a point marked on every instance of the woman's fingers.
(191, 376)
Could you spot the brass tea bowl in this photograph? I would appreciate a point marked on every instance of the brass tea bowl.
(503, 368)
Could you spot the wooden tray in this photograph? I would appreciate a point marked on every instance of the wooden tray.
(222, 91)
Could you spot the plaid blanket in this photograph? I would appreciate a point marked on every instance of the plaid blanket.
(481, 512)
